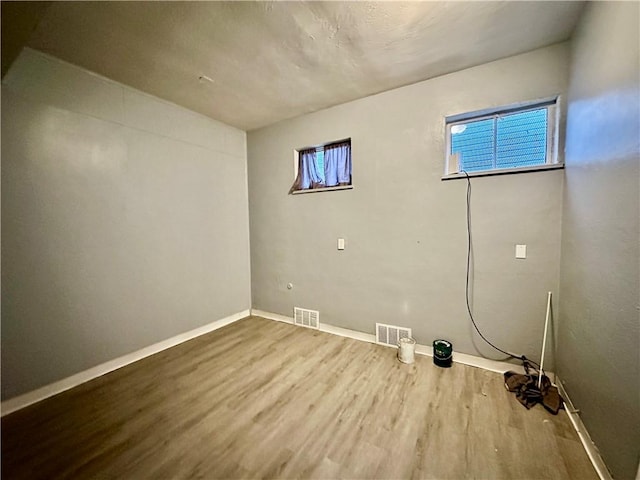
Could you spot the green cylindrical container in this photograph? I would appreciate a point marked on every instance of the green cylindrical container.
(442, 353)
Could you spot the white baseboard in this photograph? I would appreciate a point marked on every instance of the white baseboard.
(271, 316)
(472, 360)
(343, 332)
(583, 434)
(24, 400)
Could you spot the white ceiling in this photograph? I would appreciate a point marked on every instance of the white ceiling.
(275, 60)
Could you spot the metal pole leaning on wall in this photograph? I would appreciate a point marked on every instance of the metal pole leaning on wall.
(544, 339)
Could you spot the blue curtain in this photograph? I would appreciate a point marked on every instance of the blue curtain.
(337, 164)
(337, 168)
(308, 174)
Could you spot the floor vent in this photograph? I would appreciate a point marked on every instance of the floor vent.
(306, 318)
(391, 334)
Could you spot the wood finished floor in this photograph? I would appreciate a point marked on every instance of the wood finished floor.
(265, 399)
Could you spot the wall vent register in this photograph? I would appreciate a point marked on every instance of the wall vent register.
(391, 334)
(306, 318)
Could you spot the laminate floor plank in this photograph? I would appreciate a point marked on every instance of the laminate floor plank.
(264, 399)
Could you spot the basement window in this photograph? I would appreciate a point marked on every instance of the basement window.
(509, 139)
(322, 167)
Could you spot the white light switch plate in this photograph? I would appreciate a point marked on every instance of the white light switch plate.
(341, 244)
(521, 251)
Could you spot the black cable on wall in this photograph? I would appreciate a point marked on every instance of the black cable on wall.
(508, 354)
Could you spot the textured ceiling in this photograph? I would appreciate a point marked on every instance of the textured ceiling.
(269, 61)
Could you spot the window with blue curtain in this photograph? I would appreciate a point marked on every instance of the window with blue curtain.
(502, 140)
(326, 166)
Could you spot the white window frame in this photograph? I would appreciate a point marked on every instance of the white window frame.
(296, 166)
(553, 123)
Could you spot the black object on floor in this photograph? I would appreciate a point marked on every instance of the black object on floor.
(527, 392)
(442, 353)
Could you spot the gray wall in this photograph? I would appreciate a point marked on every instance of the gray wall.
(405, 257)
(124, 221)
(599, 324)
